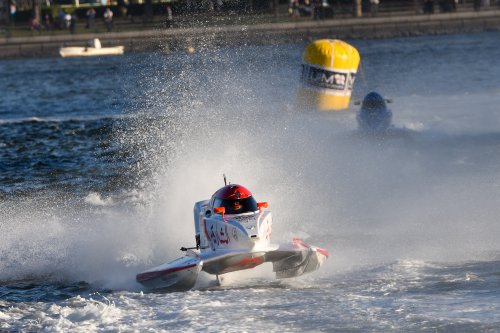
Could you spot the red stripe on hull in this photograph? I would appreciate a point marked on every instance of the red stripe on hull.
(323, 252)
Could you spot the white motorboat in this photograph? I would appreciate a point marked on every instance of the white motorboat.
(93, 49)
(232, 233)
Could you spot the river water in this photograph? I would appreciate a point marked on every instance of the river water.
(102, 159)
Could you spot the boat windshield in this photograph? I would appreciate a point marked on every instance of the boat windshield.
(237, 206)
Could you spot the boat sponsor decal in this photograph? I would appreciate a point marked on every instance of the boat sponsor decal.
(223, 235)
(238, 226)
(213, 237)
(217, 234)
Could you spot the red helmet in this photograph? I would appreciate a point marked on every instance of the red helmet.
(235, 198)
(233, 192)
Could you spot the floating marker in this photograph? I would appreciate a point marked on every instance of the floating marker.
(328, 71)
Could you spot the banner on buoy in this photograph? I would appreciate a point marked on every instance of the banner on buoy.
(328, 71)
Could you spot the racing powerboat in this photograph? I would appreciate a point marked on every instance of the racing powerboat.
(233, 232)
(94, 48)
(374, 117)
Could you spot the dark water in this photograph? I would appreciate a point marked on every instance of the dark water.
(101, 160)
(56, 126)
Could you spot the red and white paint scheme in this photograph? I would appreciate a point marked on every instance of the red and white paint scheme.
(233, 232)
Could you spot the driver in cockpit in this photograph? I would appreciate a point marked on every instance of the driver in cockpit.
(374, 117)
(235, 198)
(237, 206)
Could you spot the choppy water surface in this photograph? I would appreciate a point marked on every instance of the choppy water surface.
(101, 161)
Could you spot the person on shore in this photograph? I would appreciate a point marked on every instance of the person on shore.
(60, 20)
(169, 17)
(13, 11)
(374, 7)
(47, 22)
(4, 17)
(67, 21)
(454, 5)
(477, 5)
(316, 8)
(428, 6)
(72, 23)
(108, 19)
(447, 6)
(35, 25)
(90, 18)
(122, 8)
(306, 8)
(319, 8)
(293, 8)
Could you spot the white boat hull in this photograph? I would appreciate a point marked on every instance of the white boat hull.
(77, 51)
(289, 260)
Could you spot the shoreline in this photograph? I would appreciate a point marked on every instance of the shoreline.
(259, 34)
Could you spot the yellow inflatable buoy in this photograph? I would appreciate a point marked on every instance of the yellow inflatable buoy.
(328, 71)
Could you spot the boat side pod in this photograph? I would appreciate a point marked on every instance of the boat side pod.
(296, 258)
(329, 68)
(178, 275)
